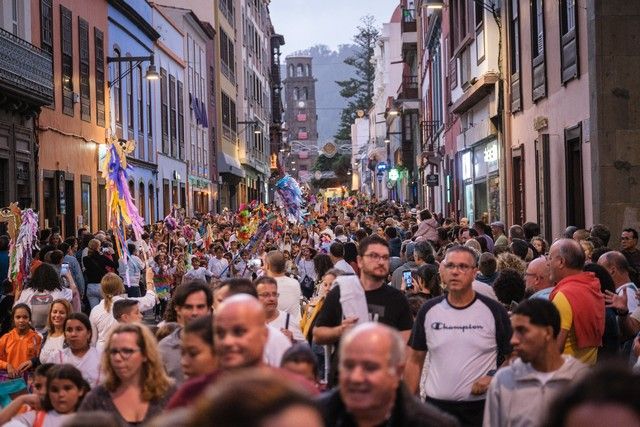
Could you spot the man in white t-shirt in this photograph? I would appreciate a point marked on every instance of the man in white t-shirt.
(267, 289)
(618, 267)
(218, 265)
(336, 252)
(467, 338)
(324, 228)
(289, 289)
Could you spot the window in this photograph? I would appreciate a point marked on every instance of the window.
(436, 98)
(514, 38)
(458, 20)
(227, 56)
(117, 93)
(85, 197)
(14, 17)
(164, 111)
(569, 40)
(229, 122)
(85, 93)
(305, 93)
(296, 93)
(66, 42)
(130, 110)
(46, 25)
(173, 116)
(99, 52)
(142, 209)
(181, 120)
(537, 50)
(300, 70)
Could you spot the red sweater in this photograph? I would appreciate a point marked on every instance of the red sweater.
(587, 305)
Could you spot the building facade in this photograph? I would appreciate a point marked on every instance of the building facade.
(26, 86)
(71, 130)
(254, 96)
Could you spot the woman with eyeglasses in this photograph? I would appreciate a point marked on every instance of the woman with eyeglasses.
(135, 387)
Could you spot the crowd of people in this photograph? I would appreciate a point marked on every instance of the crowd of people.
(366, 313)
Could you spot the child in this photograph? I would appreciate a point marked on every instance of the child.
(25, 402)
(163, 281)
(19, 349)
(65, 390)
(301, 360)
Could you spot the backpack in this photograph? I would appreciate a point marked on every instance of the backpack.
(40, 303)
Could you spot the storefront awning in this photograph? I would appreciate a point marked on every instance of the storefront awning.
(229, 165)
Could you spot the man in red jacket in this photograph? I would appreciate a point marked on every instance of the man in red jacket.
(578, 298)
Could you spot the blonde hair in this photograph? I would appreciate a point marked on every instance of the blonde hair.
(94, 245)
(67, 307)
(154, 380)
(110, 285)
(509, 260)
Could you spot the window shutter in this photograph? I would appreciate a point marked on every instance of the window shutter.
(569, 40)
(85, 93)
(538, 71)
(66, 42)
(98, 39)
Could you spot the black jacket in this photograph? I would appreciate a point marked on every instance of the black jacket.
(408, 411)
(95, 267)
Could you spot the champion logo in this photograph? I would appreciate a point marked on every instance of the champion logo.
(440, 326)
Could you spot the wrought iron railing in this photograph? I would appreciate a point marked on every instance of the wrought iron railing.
(25, 68)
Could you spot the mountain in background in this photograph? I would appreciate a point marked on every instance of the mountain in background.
(328, 66)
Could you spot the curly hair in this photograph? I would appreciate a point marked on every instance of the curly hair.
(512, 261)
(45, 278)
(154, 380)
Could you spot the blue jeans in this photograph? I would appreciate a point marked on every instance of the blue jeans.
(94, 294)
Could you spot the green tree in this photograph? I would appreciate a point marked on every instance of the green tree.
(358, 90)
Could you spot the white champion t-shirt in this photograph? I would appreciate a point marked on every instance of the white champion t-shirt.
(461, 344)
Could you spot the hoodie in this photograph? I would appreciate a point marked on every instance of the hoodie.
(427, 230)
(583, 292)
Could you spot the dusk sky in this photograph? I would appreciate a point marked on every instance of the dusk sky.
(305, 23)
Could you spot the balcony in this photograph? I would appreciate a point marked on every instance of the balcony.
(408, 21)
(26, 72)
(408, 89)
(303, 135)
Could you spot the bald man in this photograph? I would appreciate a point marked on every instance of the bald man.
(618, 267)
(371, 391)
(240, 341)
(578, 298)
(537, 278)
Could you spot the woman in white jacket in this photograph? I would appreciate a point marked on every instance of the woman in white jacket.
(112, 287)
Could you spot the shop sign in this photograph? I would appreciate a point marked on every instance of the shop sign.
(433, 180)
(393, 174)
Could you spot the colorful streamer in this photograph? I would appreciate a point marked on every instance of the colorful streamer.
(290, 194)
(21, 250)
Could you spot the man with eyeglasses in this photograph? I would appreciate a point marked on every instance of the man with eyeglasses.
(267, 289)
(376, 301)
(537, 279)
(466, 336)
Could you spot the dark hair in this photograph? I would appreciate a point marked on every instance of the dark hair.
(4, 243)
(64, 247)
(350, 252)
(42, 370)
(371, 240)
(531, 229)
(45, 278)
(466, 249)
(598, 252)
(425, 214)
(56, 256)
(300, 353)
(201, 326)
(601, 232)
(509, 286)
(541, 312)
(391, 232)
(183, 291)
(80, 317)
(633, 232)
(429, 275)
(360, 234)
(321, 264)
(516, 232)
(240, 285)
(424, 251)
(122, 306)
(65, 372)
(416, 301)
(265, 280)
(482, 241)
(18, 307)
(606, 281)
(443, 233)
(606, 384)
(487, 264)
(337, 249)
(131, 248)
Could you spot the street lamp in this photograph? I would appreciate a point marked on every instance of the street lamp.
(151, 74)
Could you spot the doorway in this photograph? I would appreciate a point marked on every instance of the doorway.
(574, 180)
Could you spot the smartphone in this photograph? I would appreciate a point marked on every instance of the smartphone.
(64, 269)
(408, 280)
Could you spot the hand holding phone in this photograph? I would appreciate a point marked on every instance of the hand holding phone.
(408, 280)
